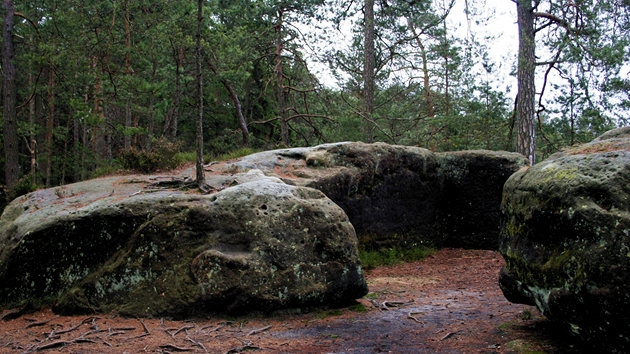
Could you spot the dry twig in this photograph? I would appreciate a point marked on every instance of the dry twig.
(144, 326)
(410, 315)
(248, 346)
(448, 335)
(199, 344)
(174, 347)
(36, 324)
(188, 326)
(260, 330)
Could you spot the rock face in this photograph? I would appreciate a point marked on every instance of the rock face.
(258, 245)
(277, 232)
(400, 195)
(566, 237)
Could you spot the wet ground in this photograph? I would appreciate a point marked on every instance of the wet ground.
(448, 303)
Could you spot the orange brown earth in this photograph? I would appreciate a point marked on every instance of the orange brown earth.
(448, 303)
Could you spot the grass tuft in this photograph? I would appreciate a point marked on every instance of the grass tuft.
(394, 255)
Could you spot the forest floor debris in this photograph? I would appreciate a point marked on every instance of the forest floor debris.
(448, 303)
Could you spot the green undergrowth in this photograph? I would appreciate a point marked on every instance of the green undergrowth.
(371, 259)
(190, 156)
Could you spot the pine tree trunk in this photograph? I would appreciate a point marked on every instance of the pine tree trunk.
(127, 124)
(200, 177)
(425, 72)
(9, 97)
(50, 123)
(525, 116)
(369, 66)
(32, 143)
(242, 122)
(284, 126)
(152, 98)
(128, 72)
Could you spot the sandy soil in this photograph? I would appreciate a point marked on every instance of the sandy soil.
(448, 303)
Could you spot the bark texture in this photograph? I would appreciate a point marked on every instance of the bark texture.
(525, 117)
(369, 66)
(8, 100)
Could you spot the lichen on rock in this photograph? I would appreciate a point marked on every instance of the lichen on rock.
(565, 238)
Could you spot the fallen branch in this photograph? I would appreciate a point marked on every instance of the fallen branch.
(86, 320)
(144, 326)
(448, 335)
(386, 304)
(61, 343)
(199, 344)
(174, 347)
(11, 314)
(214, 329)
(410, 315)
(36, 324)
(138, 336)
(188, 326)
(124, 329)
(248, 346)
(256, 331)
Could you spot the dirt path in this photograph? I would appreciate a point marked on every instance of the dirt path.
(449, 303)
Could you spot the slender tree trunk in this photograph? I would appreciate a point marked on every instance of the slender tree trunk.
(284, 126)
(128, 72)
(200, 177)
(127, 139)
(170, 125)
(99, 131)
(50, 122)
(369, 67)
(32, 142)
(425, 72)
(242, 122)
(447, 76)
(525, 116)
(9, 97)
(152, 98)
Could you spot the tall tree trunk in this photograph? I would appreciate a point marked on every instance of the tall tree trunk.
(369, 66)
(32, 142)
(9, 97)
(525, 116)
(200, 177)
(242, 122)
(152, 97)
(284, 125)
(128, 72)
(447, 73)
(425, 72)
(50, 122)
(170, 124)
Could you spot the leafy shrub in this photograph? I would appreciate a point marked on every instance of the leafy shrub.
(161, 156)
(23, 186)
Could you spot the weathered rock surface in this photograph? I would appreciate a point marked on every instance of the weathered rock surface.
(271, 236)
(401, 195)
(566, 238)
(260, 245)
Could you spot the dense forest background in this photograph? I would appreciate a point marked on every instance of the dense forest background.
(94, 86)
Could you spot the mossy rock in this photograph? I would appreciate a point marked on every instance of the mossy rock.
(565, 238)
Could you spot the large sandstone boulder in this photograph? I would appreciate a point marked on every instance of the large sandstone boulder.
(402, 195)
(260, 244)
(278, 230)
(566, 239)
